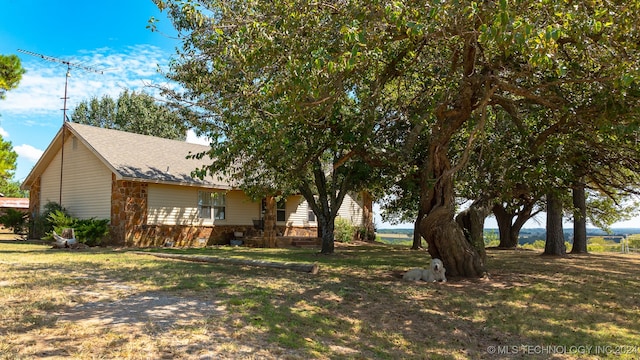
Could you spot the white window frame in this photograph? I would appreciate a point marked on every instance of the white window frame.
(212, 205)
(281, 210)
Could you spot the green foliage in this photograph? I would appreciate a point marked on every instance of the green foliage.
(15, 220)
(599, 244)
(366, 234)
(536, 245)
(132, 112)
(491, 238)
(412, 89)
(87, 231)
(8, 161)
(91, 231)
(60, 220)
(344, 231)
(41, 225)
(12, 189)
(10, 73)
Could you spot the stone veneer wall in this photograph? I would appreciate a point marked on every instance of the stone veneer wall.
(128, 210)
(34, 206)
(187, 236)
(297, 231)
(129, 227)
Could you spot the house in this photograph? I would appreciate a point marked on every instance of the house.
(143, 184)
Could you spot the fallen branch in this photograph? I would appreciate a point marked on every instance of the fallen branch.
(310, 268)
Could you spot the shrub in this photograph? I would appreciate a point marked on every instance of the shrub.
(366, 234)
(15, 220)
(87, 231)
(41, 225)
(536, 245)
(91, 231)
(343, 230)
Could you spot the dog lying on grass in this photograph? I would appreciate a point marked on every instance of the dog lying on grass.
(435, 273)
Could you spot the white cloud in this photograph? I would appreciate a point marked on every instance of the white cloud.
(28, 152)
(42, 87)
(4, 133)
(195, 139)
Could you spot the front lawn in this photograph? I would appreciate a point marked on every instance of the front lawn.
(106, 303)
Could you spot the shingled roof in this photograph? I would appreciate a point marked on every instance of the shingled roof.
(137, 157)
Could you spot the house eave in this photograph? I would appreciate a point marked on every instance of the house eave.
(174, 183)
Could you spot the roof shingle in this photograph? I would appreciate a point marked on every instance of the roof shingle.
(146, 158)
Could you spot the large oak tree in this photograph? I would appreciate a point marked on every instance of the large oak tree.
(440, 67)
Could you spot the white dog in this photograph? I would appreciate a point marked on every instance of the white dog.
(433, 274)
(436, 272)
(414, 274)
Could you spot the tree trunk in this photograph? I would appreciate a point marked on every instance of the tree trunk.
(505, 227)
(369, 233)
(417, 237)
(445, 239)
(508, 228)
(270, 222)
(579, 220)
(444, 236)
(472, 222)
(555, 237)
(328, 225)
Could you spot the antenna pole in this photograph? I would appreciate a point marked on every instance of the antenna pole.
(66, 80)
(64, 106)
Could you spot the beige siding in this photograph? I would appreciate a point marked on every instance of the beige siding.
(298, 210)
(351, 209)
(86, 190)
(50, 183)
(240, 209)
(178, 205)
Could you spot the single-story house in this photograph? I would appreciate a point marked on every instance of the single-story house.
(143, 185)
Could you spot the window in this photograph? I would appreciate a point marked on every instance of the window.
(281, 213)
(211, 205)
(312, 216)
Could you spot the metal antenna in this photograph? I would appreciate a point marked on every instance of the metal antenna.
(64, 107)
(66, 80)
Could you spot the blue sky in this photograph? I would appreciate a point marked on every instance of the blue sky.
(109, 36)
(112, 38)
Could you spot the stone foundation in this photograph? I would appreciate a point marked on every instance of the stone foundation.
(194, 236)
(34, 208)
(184, 236)
(129, 227)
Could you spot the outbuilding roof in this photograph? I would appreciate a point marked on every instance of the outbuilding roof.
(134, 157)
(14, 203)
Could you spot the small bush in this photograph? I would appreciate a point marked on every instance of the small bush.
(87, 231)
(366, 234)
(536, 245)
(91, 231)
(15, 220)
(41, 226)
(343, 230)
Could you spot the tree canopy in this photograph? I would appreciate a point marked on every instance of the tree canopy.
(135, 112)
(370, 80)
(10, 73)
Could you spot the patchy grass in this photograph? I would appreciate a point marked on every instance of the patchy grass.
(103, 303)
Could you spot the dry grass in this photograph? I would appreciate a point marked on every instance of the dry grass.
(102, 303)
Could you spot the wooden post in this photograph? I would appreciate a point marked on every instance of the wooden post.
(270, 222)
